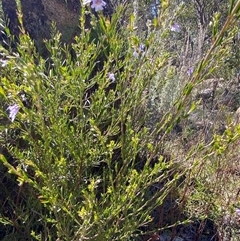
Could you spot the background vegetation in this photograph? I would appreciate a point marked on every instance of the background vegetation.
(131, 132)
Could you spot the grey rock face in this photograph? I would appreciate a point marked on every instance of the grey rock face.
(236, 117)
(38, 16)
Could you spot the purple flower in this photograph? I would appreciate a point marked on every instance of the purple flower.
(111, 77)
(238, 211)
(135, 54)
(190, 71)
(141, 47)
(86, 2)
(140, 50)
(175, 28)
(3, 62)
(96, 4)
(13, 110)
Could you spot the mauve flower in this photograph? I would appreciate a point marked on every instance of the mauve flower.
(13, 110)
(96, 4)
(140, 50)
(86, 2)
(190, 71)
(238, 211)
(135, 54)
(3, 62)
(111, 77)
(141, 47)
(23, 96)
(175, 28)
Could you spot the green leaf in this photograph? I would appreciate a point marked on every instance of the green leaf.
(2, 93)
(188, 88)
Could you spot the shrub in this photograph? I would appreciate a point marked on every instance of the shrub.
(78, 128)
(77, 142)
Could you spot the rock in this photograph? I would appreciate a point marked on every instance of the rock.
(236, 117)
(207, 95)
